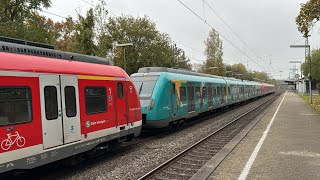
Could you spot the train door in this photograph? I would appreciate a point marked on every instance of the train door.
(70, 108)
(191, 102)
(121, 104)
(59, 110)
(174, 100)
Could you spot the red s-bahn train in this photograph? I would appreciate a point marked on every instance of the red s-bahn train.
(55, 104)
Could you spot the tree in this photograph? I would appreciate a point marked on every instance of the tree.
(315, 64)
(66, 37)
(84, 34)
(214, 55)
(14, 15)
(150, 47)
(93, 34)
(180, 60)
(309, 14)
(20, 10)
(239, 71)
(104, 46)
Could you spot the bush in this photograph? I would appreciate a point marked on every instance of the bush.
(318, 87)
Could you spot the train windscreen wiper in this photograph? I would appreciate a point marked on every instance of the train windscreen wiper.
(140, 88)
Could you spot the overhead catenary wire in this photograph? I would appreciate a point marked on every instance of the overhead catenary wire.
(236, 34)
(203, 20)
(53, 14)
(87, 2)
(224, 22)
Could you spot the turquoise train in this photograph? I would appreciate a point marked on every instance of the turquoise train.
(169, 96)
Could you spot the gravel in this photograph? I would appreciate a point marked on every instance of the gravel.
(133, 162)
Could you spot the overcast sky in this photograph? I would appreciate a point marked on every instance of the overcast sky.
(266, 27)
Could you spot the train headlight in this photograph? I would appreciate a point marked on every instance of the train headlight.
(151, 106)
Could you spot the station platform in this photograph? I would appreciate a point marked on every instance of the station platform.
(284, 144)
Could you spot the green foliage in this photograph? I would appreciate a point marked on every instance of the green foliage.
(19, 19)
(315, 64)
(20, 10)
(239, 70)
(309, 14)
(150, 47)
(104, 47)
(84, 34)
(214, 62)
(66, 37)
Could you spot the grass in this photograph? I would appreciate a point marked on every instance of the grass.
(315, 100)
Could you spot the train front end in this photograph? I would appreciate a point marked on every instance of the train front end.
(149, 87)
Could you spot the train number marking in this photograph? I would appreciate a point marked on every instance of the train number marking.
(13, 139)
(31, 160)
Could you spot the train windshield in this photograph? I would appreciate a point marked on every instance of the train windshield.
(145, 85)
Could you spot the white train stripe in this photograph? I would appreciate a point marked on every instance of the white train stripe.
(38, 149)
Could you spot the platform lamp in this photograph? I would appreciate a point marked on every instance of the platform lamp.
(229, 72)
(212, 68)
(185, 62)
(124, 52)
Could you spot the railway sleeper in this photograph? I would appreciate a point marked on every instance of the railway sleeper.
(189, 164)
(210, 150)
(202, 156)
(184, 168)
(192, 159)
(177, 174)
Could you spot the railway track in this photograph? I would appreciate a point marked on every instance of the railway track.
(57, 171)
(185, 164)
(156, 133)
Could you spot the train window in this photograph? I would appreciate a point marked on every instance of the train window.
(229, 92)
(95, 98)
(183, 94)
(120, 90)
(197, 92)
(15, 105)
(70, 101)
(214, 91)
(51, 102)
(204, 92)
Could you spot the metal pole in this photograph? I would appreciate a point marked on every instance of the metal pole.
(310, 76)
(301, 70)
(124, 59)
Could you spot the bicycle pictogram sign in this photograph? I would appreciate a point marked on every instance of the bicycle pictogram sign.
(13, 139)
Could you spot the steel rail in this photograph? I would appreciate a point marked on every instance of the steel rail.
(164, 165)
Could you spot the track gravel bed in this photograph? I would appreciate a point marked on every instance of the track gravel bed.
(177, 168)
(134, 161)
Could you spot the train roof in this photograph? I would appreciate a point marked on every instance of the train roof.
(18, 46)
(36, 64)
(172, 70)
(150, 71)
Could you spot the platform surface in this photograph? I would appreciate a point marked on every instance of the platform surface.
(290, 150)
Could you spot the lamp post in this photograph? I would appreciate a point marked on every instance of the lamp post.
(212, 68)
(124, 52)
(228, 72)
(184, 62)
(307, 46)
